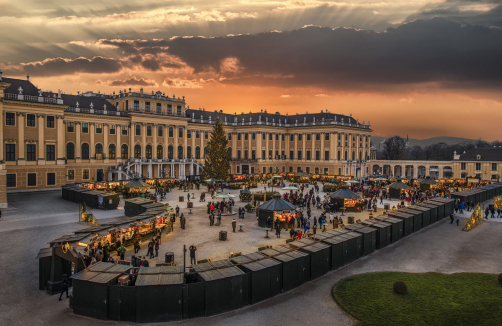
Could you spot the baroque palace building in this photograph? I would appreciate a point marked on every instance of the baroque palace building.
(50, 139)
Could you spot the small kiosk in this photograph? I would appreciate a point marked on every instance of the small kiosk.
(301, 177)
(427, 183)
(347, 199)
(397, 188)
(278, 210)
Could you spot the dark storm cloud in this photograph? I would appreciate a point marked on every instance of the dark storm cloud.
(133, 81)
(61, 66)
(435, 50)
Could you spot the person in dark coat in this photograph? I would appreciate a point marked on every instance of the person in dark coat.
(65, 283)
(192, 249)
(150, 249)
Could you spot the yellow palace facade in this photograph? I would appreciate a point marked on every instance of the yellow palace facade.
(51, 138)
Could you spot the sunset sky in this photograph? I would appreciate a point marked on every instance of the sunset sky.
(423, 68)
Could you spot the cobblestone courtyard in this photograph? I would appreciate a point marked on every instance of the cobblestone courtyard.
(33, 219)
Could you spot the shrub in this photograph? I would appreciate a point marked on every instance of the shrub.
(248, 207)
(259, 196)
(500, 278)
(400, 288)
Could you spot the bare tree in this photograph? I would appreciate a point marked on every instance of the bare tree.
(416, 153)
(394, 148)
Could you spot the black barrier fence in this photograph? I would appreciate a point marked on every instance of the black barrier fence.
(98, 199)
(168, 293)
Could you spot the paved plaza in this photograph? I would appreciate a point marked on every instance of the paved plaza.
(33, 219)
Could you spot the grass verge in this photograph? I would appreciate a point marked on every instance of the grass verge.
(432, 299)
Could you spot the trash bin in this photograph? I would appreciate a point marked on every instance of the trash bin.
(182, 198)
(169, 257)
(190, 204)
(386, 206)
(350, 220)
(223, 235)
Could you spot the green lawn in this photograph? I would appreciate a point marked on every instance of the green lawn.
(433, 299)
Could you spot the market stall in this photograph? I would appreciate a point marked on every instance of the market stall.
(246, 195)
(278, 210)
(427, 184)
(347, 199)
(136, 188)
(396, 189)
(301, 177)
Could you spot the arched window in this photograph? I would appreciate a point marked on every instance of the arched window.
(197, 153)
(171, 132)
(148, 151)
(229, 151)
(189, 152)
(98, 151)
(137, 151)
(159, 152)
(180, 152)
(205, 151)
(111, 151)
(170, 151)
(124, 154)
(70, 151)
(85, 151)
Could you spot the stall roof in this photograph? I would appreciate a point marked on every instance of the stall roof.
(278, 255)
(44, 252)
(70, 238)
(399, 185)
(137, 184)
(162, 275)
(344, 192)
(277, 204)
(101, 272)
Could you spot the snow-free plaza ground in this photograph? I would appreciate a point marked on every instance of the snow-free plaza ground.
(35, 218)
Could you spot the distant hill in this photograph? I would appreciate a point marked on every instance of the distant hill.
(429, 141)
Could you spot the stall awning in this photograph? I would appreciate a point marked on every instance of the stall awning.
(277, 204)
(345, 193)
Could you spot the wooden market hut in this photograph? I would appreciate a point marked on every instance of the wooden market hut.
(396, 188)
(301, 177)
(136, 186)
(427, 183)
(346, 198)
(277, 209)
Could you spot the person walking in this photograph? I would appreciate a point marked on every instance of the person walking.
(136, 245)
(177, 211)
(219, 218)
(192, 249)
(157, 245)
(278, 230)
(122, 251)
(65, 283)
(234, 224)
(183, 221)
(150, 249)
(451, 218)
(159, 235)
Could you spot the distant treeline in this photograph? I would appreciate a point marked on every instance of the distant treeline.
(395, 149)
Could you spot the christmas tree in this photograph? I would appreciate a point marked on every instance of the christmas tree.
(217, 162)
